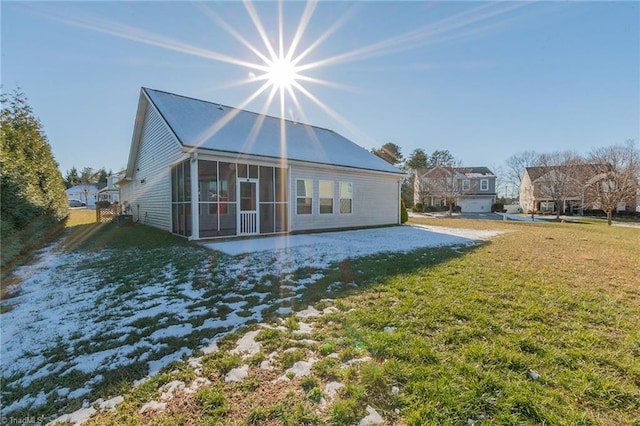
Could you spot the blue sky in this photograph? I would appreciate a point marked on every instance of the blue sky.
(483, 80)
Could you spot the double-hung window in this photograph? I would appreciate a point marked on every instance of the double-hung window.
(304, 196)
(484, 184)
(346, 197)
(326, 196)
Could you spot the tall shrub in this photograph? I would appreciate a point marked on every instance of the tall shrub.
(404, 216)
(33, 203)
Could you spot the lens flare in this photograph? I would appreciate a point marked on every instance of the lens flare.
(281, 73)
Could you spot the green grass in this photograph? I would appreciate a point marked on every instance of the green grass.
(453, 334)
(560, 299)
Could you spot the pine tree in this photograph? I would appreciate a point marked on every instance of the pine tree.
(72, 178)
(389, 152)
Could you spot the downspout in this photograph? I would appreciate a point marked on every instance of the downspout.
(399, 202)
(290, 196)
(195, 216)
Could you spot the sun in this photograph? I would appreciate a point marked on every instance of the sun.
(281, 73)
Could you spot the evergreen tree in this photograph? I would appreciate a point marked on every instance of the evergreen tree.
(418, 159)
(32, 189)
(389, 152)
(102, 175)
(440, 157)
(72, 178)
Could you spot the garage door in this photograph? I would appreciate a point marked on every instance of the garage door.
(475, 204)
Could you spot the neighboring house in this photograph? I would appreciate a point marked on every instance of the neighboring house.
(87, 193)
(204, 170)
(542, 186)
(472, 189)
(111, 192)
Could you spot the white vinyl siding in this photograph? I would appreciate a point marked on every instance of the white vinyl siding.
(375, 198)
(149, 191)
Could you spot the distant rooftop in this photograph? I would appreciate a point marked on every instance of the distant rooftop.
(202, 124)
(470, 172)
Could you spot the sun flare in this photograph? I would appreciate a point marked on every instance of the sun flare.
(282, 64)
(281, 73)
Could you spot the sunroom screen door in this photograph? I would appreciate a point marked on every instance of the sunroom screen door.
(248, 212)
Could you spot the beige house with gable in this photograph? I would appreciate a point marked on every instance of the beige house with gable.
(471, 189)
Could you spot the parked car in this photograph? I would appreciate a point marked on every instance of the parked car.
(76, 203)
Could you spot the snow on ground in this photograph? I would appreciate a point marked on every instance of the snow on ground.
(77, 319)
(336, 246)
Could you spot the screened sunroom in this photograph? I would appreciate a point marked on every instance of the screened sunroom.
(232, 199)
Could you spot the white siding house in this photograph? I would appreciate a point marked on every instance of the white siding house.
(111, 193)
(87, 193)
(204, 170)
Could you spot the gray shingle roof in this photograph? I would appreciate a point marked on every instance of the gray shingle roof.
(202, 124)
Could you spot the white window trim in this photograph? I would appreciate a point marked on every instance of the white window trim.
(305, 196)
(340, 198)
(484, 184)
(320, 197)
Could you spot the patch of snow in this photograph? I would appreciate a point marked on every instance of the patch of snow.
(237, 374)
(197, 384)
(110, 404)
(332, 388)
(301, 368)
(308, 313)
(284, 310)
(372, 418)
(307, 342)
(321, 249)
(303, 328)
(157, 365)
(78, 393)
(177, 330)
(170, 389)
(153, 406)
(210, 348)
(358, 360)
(78, 417)
(247, 345)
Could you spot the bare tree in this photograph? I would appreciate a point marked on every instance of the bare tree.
(423, 189)
(615, 180)
(438, 182)
(443, 183)
(88, 177)
(515, 167)
(562, 177)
